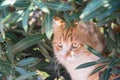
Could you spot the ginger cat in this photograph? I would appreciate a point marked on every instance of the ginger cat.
(69, 48)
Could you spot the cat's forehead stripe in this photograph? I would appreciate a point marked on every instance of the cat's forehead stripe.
(67, 34)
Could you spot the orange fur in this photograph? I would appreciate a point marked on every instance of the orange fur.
(69, 48)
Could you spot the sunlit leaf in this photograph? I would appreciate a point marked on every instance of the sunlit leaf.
(12, 17)
(25, 18)
(1, 28)
(94, 9)
(42, 6)
(26, 61)
(27, 42)
(6, 3)
(59, 6)
(92, 6)
(109, 18)
(113, 6)
(48, 25)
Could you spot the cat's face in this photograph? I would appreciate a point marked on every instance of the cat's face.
(69, 43)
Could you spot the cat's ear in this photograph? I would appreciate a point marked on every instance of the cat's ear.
(87, 26)
(58, 25)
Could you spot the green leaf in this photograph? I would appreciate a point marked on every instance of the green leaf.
(113, 6)
(1, 28)
(112, 44)
(22, 4)
(26, 76)
(116, 71)
(103, 60)
(48, 25)
(2, 55)
(41, 5)
(5, 67)
(26, 61)
(113, 63)
(10, 54)
(109, 18)
(94, 10)
(12, 36)
(21, 70)
(93, 15)
(74, 16)
(12, 17)
(93, 51)
(25, 18)
(88, 64)
(106, 74)
(91, 7)
(59, 6)
(27, 42)
(6, 3)
(1, 38)
(97, 69)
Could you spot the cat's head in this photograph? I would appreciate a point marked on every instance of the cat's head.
(68, 43)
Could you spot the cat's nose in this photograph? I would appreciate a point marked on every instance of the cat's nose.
(67, 54)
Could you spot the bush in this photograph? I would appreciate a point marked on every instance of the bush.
(26, 32)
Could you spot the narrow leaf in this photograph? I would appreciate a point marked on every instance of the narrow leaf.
(26, 61)
(97, 69)
(1, 28)
(11, 17)
(86, 65)
(106, 74)
(42, 6)
(59, 6)
(116, 71)
(92, 6)
(27, 42)
(21, 70)
(10, 54)
(12, 36)
(113, 63)
(26, 76)
(93, 51)
(111, 8)
(48, 25)
(25, 18)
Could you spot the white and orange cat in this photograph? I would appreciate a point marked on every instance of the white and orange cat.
(68, 44)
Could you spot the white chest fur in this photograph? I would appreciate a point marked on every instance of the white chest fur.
(79, 74)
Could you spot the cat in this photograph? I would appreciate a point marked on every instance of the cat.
(68, 45)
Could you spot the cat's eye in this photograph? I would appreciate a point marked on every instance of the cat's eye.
(75, 45)
(59, 44)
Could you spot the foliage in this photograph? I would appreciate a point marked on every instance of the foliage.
(26, 32)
